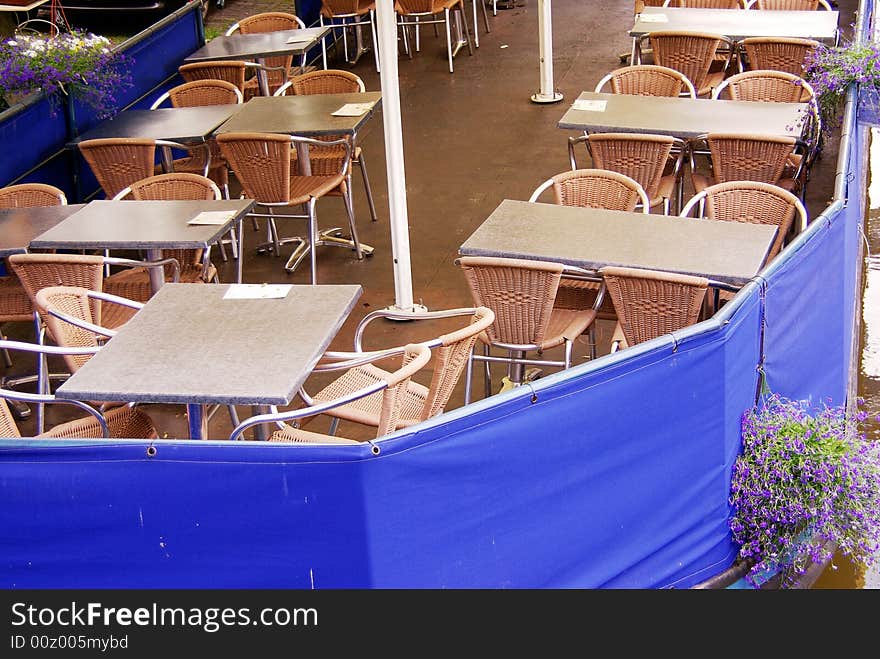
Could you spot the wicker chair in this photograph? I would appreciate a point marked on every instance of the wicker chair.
(233, 71)
(643, 157)
(332, 81)
(647, 80)
(451, 352)
(262, 163)
(743, 157)
(651, 303)
(752, 202)
(15, 305)
(117, 162)
(197, 94)
(278, 68)
(780, 87)
(350, 15)
(788, 54)
(391, 387)
(117, 423)
(595, 188)
(413, 13)
(31, 195)
(195, 265)
(693, 54)
(522, 294)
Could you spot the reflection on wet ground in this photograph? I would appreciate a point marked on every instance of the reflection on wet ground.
(842, 573)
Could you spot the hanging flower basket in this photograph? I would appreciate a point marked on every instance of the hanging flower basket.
(77, 63)
(806, 481)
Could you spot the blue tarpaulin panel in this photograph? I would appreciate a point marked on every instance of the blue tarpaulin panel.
(810, 303)
(615, 477)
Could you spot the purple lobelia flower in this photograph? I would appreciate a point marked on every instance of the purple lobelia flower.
(78, 63)
(807, 482)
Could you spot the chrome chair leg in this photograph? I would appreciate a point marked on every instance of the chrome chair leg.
(361, 163)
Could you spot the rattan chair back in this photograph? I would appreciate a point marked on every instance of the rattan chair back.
(75, 302)
(261, 162)
(651, 303)
(788, 54)
(642, 157)
(521, 294)
(31, 195)
(646, 80)
(754, 203)
(597, 188)
(331, 8)
(39, 271)
(742, 157)
(691, 53)
(204, 92)
(271, 21)
(327, 81)
(767, 86)
(117, 162)
(232, 71)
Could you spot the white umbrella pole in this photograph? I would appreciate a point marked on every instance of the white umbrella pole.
(386, 21)
(546, 94)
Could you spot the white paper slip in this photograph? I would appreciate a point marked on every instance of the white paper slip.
(212, 217)
(298, 39)
(352, 110)
(589, 105)
(256, 291)
(653, 18)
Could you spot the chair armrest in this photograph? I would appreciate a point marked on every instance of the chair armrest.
(572, 142)
(132, 263)
(390, 314)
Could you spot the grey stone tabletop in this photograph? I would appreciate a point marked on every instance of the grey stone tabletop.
(730, 252)
(253, 46)
(19, 226)
(682, 117)
(301, 115)
(107, 224)
(195, 344)
(739, 24)
(184, 125)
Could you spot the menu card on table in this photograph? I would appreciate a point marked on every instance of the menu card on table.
(352, 110)
(212, 217)
(257, 291)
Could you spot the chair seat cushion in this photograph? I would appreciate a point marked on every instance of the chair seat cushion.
(293, 435)
(366, 410)
(123, 422)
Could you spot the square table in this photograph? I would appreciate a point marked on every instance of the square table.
(736, 24)
(149, 225)
(683, 117)
(190, 344)
(19, 226)
(238, 46)
(309, 115)
(185, 125)
(729, 252)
